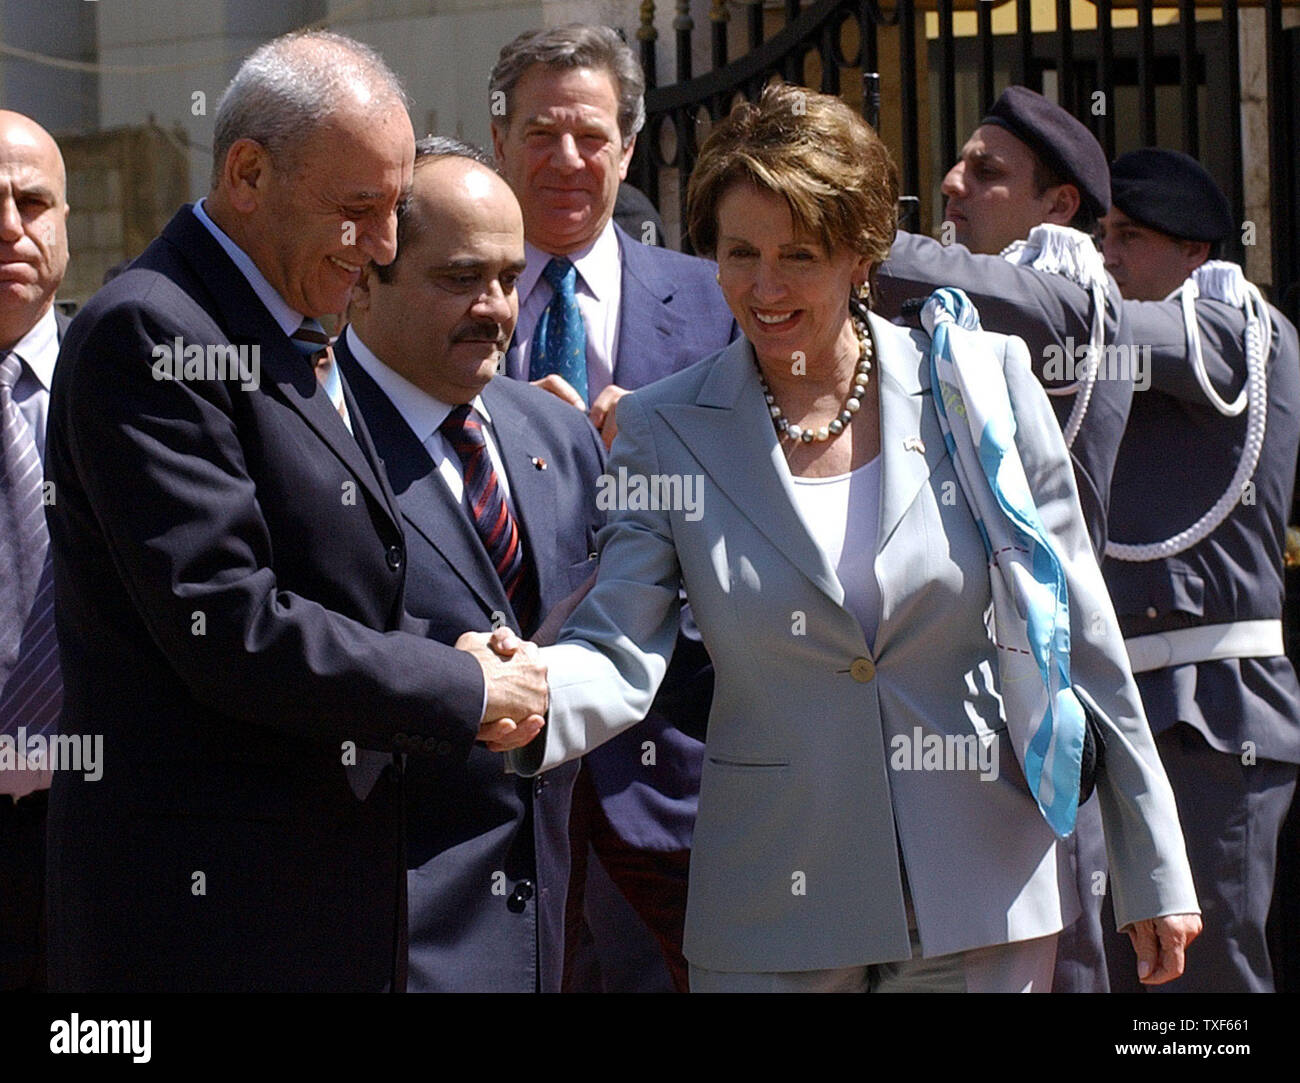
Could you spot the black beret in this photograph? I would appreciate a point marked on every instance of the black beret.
(1172, 193)
(1062, 143)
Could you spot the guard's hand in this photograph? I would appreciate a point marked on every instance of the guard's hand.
(1161, 946)
(602, 413)
(561, 389)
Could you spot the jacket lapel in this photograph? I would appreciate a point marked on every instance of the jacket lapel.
(425, 501)
(911, 442)
(647, 324)
(246, 321)
(729, 431)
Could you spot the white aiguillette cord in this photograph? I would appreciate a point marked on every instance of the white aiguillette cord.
(1219, 280)
(1067, 252)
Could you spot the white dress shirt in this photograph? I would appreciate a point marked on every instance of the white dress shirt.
(277, 306)
(599, 290)
(424, 415)
(38, 350)
(842, 513)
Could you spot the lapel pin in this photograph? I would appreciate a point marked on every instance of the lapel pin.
(538, 462)
(914, 443)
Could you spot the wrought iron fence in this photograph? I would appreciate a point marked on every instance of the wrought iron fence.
(1135, 72)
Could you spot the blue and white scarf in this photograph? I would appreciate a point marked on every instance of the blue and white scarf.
(1031, 605)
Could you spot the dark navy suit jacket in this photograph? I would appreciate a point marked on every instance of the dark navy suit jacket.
(229, 570)
(487, 852)
(671, 315)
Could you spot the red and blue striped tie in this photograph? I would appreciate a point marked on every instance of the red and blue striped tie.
(492, 519)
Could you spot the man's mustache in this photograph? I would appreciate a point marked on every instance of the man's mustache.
(481, 332)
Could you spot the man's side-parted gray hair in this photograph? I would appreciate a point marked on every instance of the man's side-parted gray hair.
(286, 88)
(575, 46)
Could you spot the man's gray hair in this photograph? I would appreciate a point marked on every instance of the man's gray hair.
(575, 46)
(288, 87)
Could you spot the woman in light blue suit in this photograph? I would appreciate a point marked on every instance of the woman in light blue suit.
(864, 822)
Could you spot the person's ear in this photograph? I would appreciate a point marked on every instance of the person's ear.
(246, 174)
(499, 144)
(1195, 253)
(626, 159)
(1065, 205)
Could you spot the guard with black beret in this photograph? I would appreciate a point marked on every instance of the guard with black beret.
(1198, 510)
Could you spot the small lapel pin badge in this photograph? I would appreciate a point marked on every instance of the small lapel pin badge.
(538, 462)
(914, 443)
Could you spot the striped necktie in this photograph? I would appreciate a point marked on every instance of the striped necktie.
(491, 514)
(314, 344)
(31, 690)
(560, 343)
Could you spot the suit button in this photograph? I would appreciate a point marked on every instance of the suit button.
(394, 557)
(862, 670)
(519, 897)
(1152, 612)
(539, 786)
(400, 741)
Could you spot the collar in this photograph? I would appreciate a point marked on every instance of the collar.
(420, 410)
(597, 265)
(39, 348)
(277, 306)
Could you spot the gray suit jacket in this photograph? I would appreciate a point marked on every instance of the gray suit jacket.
(803, 805)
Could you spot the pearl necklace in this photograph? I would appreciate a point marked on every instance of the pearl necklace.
(851, 405)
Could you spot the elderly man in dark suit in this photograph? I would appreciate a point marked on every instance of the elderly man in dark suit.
(33, 259)
(1203, 486)
(487, 852)
(229, 565)
(601, 314)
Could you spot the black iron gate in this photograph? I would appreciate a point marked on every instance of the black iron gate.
(1176, 85)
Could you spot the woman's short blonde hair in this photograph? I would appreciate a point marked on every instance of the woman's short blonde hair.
(828, 164)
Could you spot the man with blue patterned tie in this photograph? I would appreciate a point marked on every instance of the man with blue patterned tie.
(33, 259)
(600, 314)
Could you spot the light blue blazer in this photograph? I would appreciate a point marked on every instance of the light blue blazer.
(806, 803)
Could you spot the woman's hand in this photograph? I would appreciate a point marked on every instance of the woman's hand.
(1161, 945)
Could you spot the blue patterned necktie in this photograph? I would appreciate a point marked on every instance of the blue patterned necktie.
(31, 691)
(560, 343)
(495, 525)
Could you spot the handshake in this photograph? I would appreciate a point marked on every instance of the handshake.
(517, 693)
